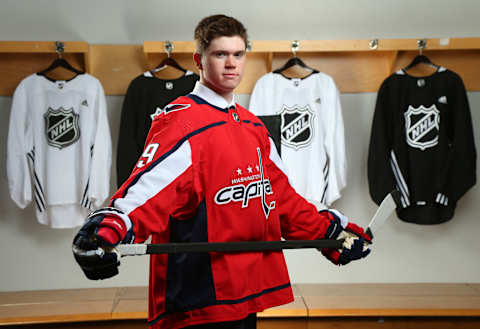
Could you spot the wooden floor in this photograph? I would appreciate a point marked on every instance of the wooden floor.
(338, 306)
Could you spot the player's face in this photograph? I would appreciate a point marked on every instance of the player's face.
(222, 64)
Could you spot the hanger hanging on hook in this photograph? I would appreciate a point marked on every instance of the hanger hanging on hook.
(59, 61)
(421, 44)
(295, 46)
(168, 61)
(294, 60)
(60, 48)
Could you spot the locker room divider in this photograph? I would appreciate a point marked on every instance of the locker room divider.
(356, 65)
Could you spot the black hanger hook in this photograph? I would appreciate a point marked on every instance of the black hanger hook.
(60, 48)
(168, 47)
(295, 47)
(421, 44)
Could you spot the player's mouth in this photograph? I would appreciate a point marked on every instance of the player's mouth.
(230, 75)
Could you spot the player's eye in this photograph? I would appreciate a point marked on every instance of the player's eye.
(239, 54)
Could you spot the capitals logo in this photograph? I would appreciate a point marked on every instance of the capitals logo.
(422, 126)
(62, 127)
(297, 126)
(169, 108)
(258, 187)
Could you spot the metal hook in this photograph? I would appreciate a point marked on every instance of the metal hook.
(421, 44)
(373, 44)
(168, 47)
(295, 47)
(60, 47)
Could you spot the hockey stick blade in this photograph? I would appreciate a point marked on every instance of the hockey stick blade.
(386, 208)
(242, 246)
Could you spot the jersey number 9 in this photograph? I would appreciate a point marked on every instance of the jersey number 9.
(148, 155)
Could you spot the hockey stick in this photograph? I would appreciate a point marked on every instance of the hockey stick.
(383, 212)
(241, 246)
(386, 208)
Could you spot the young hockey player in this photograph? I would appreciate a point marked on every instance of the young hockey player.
(211, 173)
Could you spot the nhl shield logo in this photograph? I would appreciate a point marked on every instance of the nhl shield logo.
(61, 127)
(296, 126)
(422, 126)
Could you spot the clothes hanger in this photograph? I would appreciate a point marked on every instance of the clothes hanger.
(60, 62)
(421, 59)
(168, 61)
(295, 61)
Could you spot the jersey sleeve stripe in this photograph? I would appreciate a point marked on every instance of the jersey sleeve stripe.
(156, 179)
(169, 152)
(37, 204)
(326, 173)
(39, 194)
(159, 173)
(85, 197)
(400, 180)
(324, 194)
(39, 200)
(442, 199)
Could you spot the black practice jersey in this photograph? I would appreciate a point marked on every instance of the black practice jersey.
(273, 124)
(422, 144)
(145, 96)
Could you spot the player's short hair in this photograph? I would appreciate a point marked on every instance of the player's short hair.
(215, 26)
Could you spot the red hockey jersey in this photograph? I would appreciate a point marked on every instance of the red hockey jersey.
(210, 172)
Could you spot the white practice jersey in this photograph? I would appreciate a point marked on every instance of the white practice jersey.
(59, 148)
(312, 132)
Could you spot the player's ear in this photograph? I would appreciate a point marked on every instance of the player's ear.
(197, 58)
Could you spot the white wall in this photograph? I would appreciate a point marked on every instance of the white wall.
(33, 256)
(124, 21)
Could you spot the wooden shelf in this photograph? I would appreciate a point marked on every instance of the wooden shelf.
(353, 64)
(159, 47)
(116, 66)
(279, 46)
(18, 59)
(42, 47)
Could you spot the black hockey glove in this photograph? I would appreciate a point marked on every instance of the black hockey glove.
(356, 241)
(97, 261)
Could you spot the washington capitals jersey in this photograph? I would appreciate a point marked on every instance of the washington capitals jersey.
(312, 133)
(145, 95)
(422, 144)
(59, 148)
(210, 173)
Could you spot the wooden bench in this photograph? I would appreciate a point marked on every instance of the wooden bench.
(316, 306)
(392, 305)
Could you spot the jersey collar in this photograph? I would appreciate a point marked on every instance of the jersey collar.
(211, 97)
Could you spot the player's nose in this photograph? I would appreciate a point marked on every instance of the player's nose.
(231, 61)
